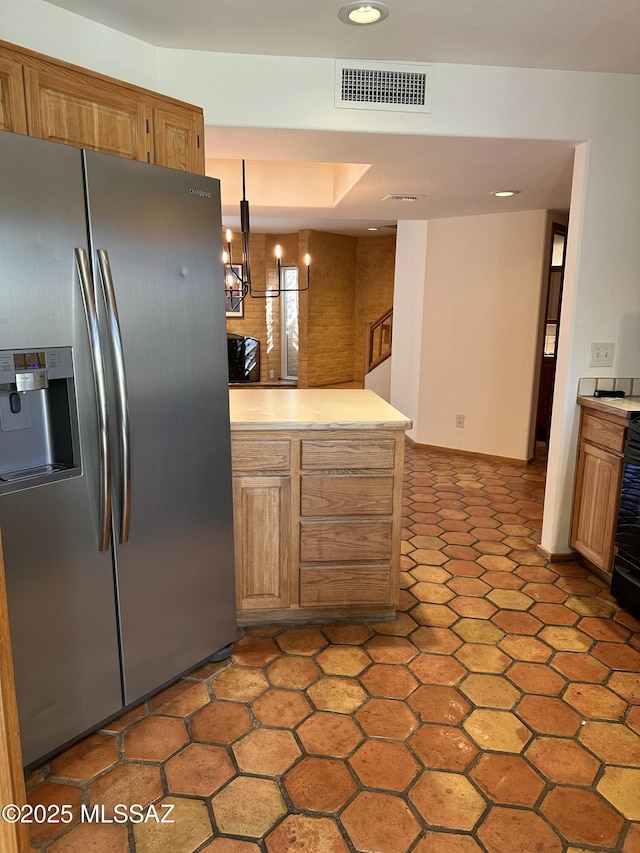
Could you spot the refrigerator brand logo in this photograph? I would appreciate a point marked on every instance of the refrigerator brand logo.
(201, 193)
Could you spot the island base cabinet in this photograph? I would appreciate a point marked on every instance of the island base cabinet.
(317, 517)
(261, 540)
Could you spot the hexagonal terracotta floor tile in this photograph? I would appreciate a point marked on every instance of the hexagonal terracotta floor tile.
(241, 683)
(254, 651)
(190, 828)
(53, 794)
(302, 832)
(439, 641)
(563, 761)
(335, 693)
(549, 716)
(502, 825)
(87, 758)
(617, 656)
(480, 658)
(319, 784)
(536, 678)
(390, 682)
(92, 837)
(507, 779)
(447, 800)
(565, 638)
(577, 667)
(248, 806)
(437, 669)
(594, 701)
(434, 615)
(449, 842)
(293, 671)
(350, 633)
(438, 704)
(612, 742)
(627, 685)
(490, 691)
(393, 650)
(301, 641)
(383, 764)
(126, 784)
(499, 731)
(478, 631)
(401, 626)
(284, 708)
(154, 738)
(516, 622)
(380, 822)
(443, 747)
(524, 648)
(267, 752)
(387, 718)
(621, 787)
(343, 660)
(472, 608)
(582, 817)
(198, 770)
(329, 734)
(221, 722)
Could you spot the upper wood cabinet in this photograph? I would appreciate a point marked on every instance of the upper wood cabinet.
(12, 101)
(63, 103)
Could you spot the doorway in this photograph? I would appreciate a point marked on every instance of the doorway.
(555, 279)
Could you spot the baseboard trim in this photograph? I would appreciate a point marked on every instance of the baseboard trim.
(557, 556)
(453, 450)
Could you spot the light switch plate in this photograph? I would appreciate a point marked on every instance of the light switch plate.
(601, 355)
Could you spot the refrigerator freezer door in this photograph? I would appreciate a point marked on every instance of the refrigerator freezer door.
(59, 585)
(161, 232)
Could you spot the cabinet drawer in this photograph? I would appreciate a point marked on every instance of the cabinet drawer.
(346, 495)
(344, 585)
(602, 432)
(347, 453)
(333, 541)
(259, 455)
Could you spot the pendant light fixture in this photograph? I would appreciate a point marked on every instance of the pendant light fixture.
(237, 277)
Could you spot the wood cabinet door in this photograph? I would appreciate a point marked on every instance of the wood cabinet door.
(262, 524)
(178, 139)
(595, 508)
(13, 115)
(64, 105)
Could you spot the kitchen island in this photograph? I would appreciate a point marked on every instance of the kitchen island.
(317, 481)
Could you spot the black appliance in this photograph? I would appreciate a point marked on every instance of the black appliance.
(625, 580)
(244, 358)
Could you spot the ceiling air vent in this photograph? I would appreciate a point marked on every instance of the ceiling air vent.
(398, 87)
(402, 197)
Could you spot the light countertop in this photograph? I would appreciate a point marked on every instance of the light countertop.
(621, 405)
(312, 408)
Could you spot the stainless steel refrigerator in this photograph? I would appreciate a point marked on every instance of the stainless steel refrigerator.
(115, 470)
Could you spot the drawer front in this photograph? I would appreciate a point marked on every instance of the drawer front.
(347, 453)
(338, 541)
(342, 585)
(249, 455)
(346, 495)
(604, 433)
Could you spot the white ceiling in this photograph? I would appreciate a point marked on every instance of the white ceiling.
(456, 176)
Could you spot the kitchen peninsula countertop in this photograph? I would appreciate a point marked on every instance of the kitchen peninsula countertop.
(312, 408)
(618, 405)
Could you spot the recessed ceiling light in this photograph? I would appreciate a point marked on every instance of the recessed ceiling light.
(505, 193)
(373, 229)
(363, 13)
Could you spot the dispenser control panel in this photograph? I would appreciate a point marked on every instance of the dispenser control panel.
(29, 370)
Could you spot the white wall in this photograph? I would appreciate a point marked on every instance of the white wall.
(602, 296)
(480, 331)
(379, 379)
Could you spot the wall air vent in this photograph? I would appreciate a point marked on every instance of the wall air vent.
(397, 87)
(402, 197)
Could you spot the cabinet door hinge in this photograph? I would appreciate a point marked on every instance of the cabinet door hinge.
(147, 121)
(197, 140)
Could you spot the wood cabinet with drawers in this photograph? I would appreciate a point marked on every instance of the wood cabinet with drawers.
(597, 487)
(317, 516)
(44, 97)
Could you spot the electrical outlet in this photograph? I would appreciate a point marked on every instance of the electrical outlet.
(601, 355)
(272, 374)
(460, 421)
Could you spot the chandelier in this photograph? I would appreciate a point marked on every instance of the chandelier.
(237, 277)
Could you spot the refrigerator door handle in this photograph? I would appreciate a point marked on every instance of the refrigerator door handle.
(93, 331)
(117, 354)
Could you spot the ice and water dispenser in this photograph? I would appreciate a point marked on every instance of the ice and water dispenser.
(38, 418)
